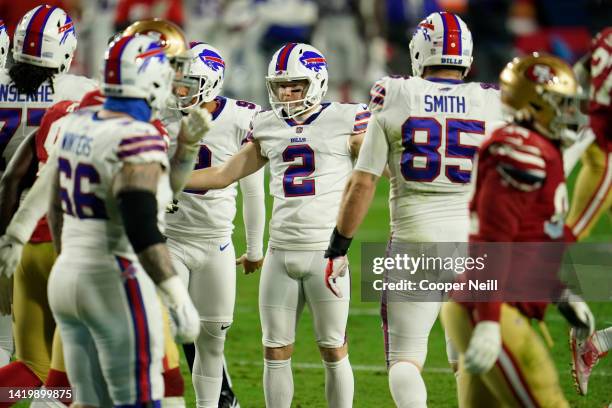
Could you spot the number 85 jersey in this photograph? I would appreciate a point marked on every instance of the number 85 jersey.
(428, 132)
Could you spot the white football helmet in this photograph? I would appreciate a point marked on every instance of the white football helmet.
(4, 44)
(297, 62)
(45, 37)
(441, 39)
(137, 67)
(207, 70)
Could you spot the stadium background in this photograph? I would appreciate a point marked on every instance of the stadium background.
(363, 40)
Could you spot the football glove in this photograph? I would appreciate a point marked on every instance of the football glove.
(336, 267)
(484, 348)
(184, 318)
(10, 253)
(194, 126)
(577, 313)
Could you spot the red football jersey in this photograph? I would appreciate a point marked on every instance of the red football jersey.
(600, 107)
(520, 196)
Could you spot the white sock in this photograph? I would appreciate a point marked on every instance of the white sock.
(339, 383)
(278, 383)
(173, 402)
(207, 390)
(5, 357)
(603, 340)
(47, 403)
(407, 386)
(6, 340)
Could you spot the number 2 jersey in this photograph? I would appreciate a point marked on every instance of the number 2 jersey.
(428, 131)
(20, 114)
(310, 163)
(600, 104)
(90, 152)
(210, 213)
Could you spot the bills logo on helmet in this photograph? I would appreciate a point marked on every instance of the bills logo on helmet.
(423, 27)
(154, 51)
(313, 61)
(212, 59)
(66, 29)
(540, 73)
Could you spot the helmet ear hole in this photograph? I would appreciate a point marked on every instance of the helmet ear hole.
(416, 56)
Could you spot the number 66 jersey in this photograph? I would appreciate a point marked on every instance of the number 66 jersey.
(428, 131)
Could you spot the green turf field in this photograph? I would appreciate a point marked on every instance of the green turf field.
(243, 347)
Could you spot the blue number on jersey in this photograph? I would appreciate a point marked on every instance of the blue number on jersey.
(306, 187)
(204, 161)
(429, 148)
(80, 198)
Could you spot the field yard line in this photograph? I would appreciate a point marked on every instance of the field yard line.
(378, 368)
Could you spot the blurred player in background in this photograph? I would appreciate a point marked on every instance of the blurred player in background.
(310, 146)
(111, 251)
(592, 198)
(6, 284)
(426, 128)
(520, 196)
(199, 229)
(43, 47)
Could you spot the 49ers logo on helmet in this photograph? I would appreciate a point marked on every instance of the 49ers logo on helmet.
(540, 73)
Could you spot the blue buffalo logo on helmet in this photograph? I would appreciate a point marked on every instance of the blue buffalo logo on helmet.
(154, 51)
(66, 29)
(313, 61)
(212, 59)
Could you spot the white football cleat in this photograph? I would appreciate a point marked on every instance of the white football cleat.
(584, 357)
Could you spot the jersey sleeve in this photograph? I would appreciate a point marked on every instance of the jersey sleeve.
(374, 150)
(520, 165)
(246, 113)
(378, 94)
(362, 118)
(143, 147)
(55, 112)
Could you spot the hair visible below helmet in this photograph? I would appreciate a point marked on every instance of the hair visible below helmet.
(441, 39)
(297, 62)
(137, 67)
(542, 90)
(207, 70)
(4, 44)
(45, 37)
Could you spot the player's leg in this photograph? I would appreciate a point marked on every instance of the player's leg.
(592, 192)
(281, 301)
(33, 322)
(212, 287)
(6, 339)
(330, 315)
(125, 321)
(524, 374)
(586, 353)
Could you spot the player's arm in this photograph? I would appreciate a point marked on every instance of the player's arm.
(19, 174)
(356, 200)
(135, 188)
(254, 215)
(193, 128)
(247, 161)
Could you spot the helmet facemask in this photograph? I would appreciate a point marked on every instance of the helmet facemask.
(289, 109)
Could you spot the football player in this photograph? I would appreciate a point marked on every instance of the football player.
(593, 192)
(309, 146)
(43, 47)
(427, 128)
(520, 196)
(6, 293)
(106, 231)
(199, 229)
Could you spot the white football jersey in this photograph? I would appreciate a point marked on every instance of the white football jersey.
(309, 166)
(89, 153)
(210, 213)
(20, 114)
(428, 132)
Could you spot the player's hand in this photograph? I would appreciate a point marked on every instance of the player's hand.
(6, 295)
(10, 253)
(172, 207)
(336, 267)
(248, 265)
(194, 126)
(484, 348)
(577, 313)
(184, 318)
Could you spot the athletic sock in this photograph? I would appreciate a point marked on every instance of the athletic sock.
(278, 383)
(339, 383)
(407, 386)
(603, 340)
